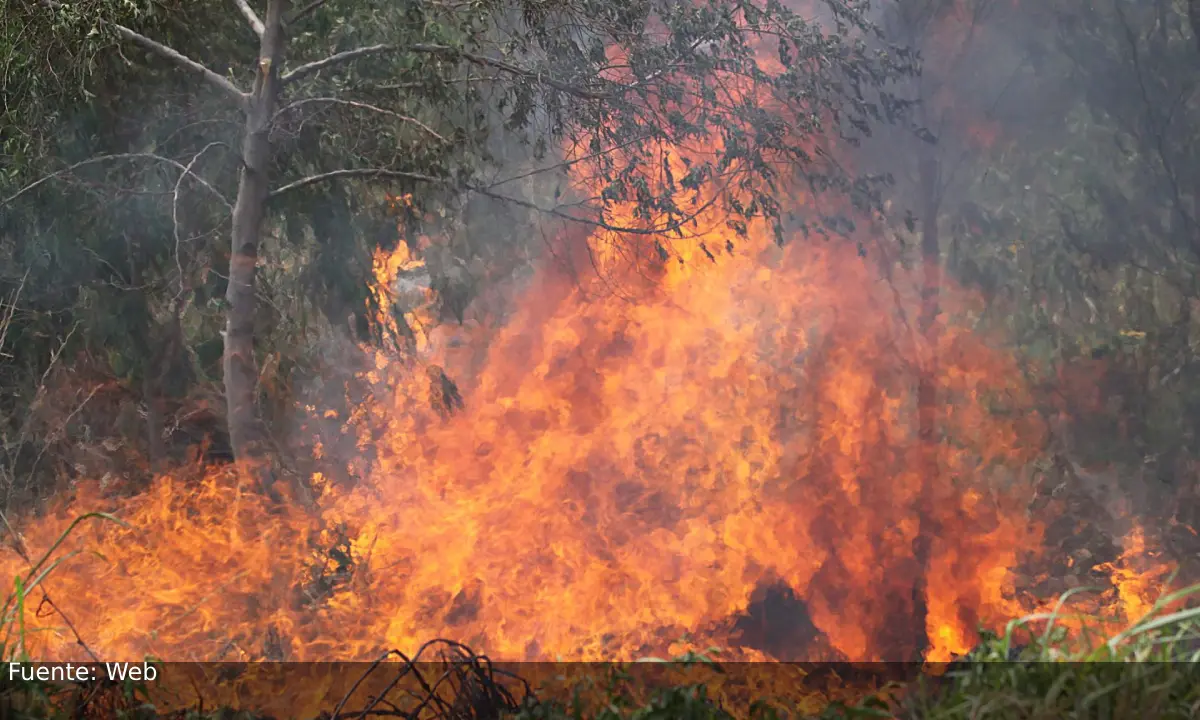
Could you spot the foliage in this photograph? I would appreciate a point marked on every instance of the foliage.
(115, 214)
(1147, 670)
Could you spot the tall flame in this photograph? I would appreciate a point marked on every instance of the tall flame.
(620, 474)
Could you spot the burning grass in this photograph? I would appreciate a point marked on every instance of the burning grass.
(1046, 665)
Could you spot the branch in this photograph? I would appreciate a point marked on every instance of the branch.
(333, 60)
(119, 156)
(175, 204)
(364, 106)
(302, 12)
(511, 70)
(251, 17)
(171, 54)
(184, 62)
(355, 173)
(495, 63)
(486, 192)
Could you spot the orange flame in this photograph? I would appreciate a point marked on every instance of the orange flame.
(609, 476)
(1139, 576)
(621, 474)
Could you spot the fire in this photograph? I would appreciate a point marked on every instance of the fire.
(603, 476)
(1138, 576)
(617, 479)
(620, 475)
(398, 288)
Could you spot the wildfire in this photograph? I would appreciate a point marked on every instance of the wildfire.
(616, 473)
(619, 476)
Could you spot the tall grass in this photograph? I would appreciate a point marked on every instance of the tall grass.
(33, 700)
(12, 612)
(1149, 669)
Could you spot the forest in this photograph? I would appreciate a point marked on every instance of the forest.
(837, 354)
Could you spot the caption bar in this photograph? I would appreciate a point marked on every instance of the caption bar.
(81, 672)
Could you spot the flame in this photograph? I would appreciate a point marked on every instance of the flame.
(397, 281)
(1139, 576)
(606, 474)
(609, 474)
(621, 474)
(618, 478)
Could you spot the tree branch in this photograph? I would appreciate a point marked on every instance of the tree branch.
(368, 173)
(511, 69)
(175, 204)
(302, 12)
(429, 49)
(251, 17)
(186, 169)
(182, 61)
(355, 173)
(364, 106)
(333, 61)
(168, 53)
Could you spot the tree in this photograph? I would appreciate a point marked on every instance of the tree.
(1076, 223)
(596, 85)
(1103, 234)
(1127, 232)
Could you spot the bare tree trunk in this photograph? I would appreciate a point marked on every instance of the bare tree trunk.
(927, 398)
(241, 376)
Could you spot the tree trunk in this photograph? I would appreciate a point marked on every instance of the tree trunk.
(241, 377)
(927, 389)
